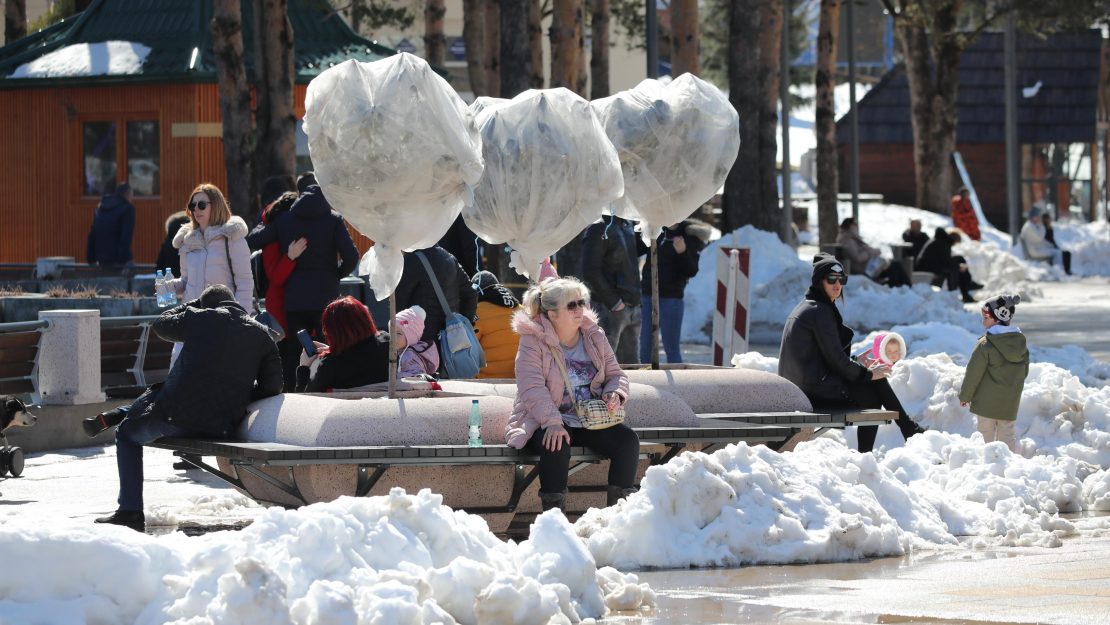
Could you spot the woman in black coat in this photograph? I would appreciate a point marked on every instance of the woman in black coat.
(815, 355)
(352, 355)
(936, 257)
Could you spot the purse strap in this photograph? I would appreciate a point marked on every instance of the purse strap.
(234, 288)
(435, 284)
(558, 354)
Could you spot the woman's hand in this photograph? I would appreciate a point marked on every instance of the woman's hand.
(554, 436)
(612, 401)
(963, 404)
(296, 248)
(307, 360)
(679, 243)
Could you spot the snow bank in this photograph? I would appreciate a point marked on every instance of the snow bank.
(394, 559)
(823, 502)
(105, 58)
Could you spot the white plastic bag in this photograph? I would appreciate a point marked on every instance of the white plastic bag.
(394, 152)
(550, 170)
(676, 144)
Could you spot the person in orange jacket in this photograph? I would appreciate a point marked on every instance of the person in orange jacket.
(963, 216)
(496, 305)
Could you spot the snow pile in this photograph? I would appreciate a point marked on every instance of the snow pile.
(1089, 245)
(677, 143)
(550, 170)
(394, 152)
(394, 559)
(823, 502)
(105, 58)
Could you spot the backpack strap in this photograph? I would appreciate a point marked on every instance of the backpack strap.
(435, 284)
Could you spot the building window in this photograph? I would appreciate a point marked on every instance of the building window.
(136, 151)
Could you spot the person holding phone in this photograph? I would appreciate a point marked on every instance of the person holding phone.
(354, 353)
(815, 355)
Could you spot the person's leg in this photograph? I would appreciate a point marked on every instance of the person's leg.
(1004, 431)
(1066, 256)
(612, 323)
(629, 339)
(986, 427)
(865, 434)
(645, 331)
(290, 348)
(670, 327)
(553, 469)
(889, 401)
(618, 443)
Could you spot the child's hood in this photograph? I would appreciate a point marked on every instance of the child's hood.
(1011, 345)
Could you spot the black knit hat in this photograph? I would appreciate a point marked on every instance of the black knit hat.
(823, 265)
(1002, 308)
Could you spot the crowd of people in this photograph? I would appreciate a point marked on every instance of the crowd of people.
(564, 341)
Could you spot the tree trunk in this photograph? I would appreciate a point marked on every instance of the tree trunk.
(582, 73)
(516, 54)
(435, 42)
(932, 68)
(474, 38)
(767, 215)
(566, 25)
(684, 37)
(235, 102)
(276, 124)
(825, 121)
(599, 50)
(15, 20)
(742, 187)
(535, 38)
(492, 58)
(358, 8)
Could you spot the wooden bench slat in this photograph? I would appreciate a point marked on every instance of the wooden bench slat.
(16, 369)
(20, 339)
(19, 354)
(16, 387)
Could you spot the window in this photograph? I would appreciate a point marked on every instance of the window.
(136, 151)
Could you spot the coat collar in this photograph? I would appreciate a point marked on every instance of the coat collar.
(189, 238)
(542, 329)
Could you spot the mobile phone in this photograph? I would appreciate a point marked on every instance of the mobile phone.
(306, 342)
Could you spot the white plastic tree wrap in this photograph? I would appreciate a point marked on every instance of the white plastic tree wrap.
(550, 171)
(676, 144)
(394, 152)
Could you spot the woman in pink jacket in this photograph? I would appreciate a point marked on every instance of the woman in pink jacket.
(556, 322)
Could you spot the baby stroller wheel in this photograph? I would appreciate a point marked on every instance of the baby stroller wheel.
(15, 461)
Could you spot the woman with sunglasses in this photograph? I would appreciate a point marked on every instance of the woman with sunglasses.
(213, 247)
(815, 355)
(556, 322)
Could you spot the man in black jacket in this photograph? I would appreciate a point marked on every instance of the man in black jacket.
(227, 361)
(680, 249)
(314, 282)
(415, 289)
(109, 243)
(611, 269)
(814, 355)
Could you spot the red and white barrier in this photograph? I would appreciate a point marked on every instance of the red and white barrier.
(730, 317)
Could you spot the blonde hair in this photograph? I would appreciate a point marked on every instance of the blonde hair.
(217, 203)
(551, 294)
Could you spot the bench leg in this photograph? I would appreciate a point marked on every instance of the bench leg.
(366, 481)
(289, 489)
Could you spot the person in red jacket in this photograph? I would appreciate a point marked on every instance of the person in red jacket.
(963, 216)
(280, 266)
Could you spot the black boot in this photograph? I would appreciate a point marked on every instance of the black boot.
(613, 494)
(103, 421)
(135, 519)
(553, 500)
(1067, 262)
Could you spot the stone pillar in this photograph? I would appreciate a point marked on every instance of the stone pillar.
(69, 358)
(47, 267)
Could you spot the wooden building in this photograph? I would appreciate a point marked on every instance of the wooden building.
(1059, 78)
(66, 139)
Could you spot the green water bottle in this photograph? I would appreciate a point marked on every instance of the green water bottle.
(474, 438)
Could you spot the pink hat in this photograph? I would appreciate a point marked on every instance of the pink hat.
(411, 322)
(882, 339)
(547, 271)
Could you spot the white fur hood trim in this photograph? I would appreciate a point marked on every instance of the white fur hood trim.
(188, 238)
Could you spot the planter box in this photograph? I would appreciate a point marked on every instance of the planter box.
(27, 307)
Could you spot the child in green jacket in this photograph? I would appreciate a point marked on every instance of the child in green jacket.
(996, 373)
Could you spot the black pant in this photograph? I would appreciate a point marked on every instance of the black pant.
(956, 278)
(870, 394)
(290, 347)
(619, 443)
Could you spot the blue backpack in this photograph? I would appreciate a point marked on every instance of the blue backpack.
(460, 354)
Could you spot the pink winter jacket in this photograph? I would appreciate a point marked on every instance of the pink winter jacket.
(539, 381)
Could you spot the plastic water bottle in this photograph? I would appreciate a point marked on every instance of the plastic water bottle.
(171, 293)
(474, 438)
(159, 288)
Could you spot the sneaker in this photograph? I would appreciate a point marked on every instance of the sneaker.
(95, 425)
(135, 519)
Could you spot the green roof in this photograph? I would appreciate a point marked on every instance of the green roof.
(174, 29)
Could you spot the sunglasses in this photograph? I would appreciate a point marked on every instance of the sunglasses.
(573, 305)
(833, 279)
(199, 206)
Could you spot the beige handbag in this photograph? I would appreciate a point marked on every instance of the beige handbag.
(593, 413)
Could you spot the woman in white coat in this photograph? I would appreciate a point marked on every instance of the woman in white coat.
(213, 249)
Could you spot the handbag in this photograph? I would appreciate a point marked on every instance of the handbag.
(460, 353)
(259, 314)
(593, 413)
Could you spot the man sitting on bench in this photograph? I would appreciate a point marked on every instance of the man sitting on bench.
(227, 361)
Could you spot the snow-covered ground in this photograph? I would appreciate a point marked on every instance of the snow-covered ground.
(405, 558)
